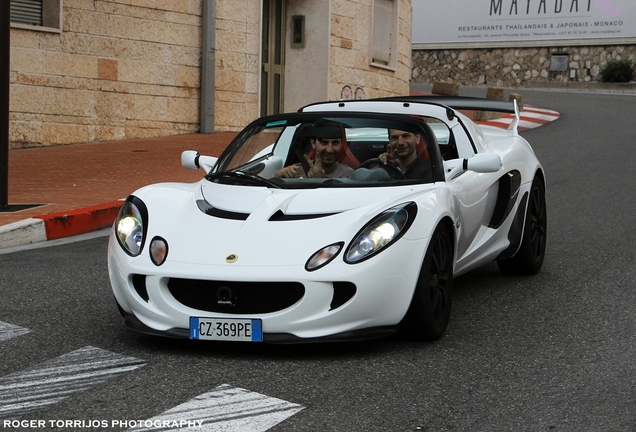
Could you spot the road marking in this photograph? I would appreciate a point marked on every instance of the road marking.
(9, 331)
(56, 379)
(227, 409)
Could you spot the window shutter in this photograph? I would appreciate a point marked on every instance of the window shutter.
(26, 11)
(382, 29)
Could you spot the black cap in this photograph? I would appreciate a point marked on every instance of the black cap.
(324, 131)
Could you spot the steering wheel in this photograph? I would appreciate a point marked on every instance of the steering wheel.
(393, 171)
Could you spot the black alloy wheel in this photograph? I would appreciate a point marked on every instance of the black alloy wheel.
(429, 312)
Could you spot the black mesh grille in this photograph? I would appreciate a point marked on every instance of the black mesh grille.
(236, 297)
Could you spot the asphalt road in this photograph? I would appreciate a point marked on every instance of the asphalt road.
(551, 352)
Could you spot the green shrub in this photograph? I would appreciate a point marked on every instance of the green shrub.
(618, 71)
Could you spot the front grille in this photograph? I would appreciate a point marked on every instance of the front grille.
(236, 297)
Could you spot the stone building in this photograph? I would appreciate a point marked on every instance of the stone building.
(96, 70)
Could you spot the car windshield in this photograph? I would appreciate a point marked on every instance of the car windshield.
(312, 151)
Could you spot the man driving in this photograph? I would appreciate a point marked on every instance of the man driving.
(402, 152)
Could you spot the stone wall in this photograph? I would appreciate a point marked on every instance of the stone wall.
(122, 69)
(514, 67)
(351, 73)
(118, 70)
(237, 71)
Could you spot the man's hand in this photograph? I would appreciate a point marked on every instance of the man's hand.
(291, 171)
(390, 156)
(315, 167)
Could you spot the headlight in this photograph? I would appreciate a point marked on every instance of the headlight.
(381, 232)
(323, 256)
(131, 225)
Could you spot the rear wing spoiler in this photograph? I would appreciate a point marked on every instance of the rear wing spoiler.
(465, 103)
(456, 102)
(451, 103)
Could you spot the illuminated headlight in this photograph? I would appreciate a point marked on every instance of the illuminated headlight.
(158, 251)
(381, 232)
(323, 256)
(130, 225)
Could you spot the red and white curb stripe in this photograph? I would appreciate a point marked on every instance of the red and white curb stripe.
(530, 118)
(53, 226)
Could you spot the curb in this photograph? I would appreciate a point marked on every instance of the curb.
(80, 221)
(54, 226)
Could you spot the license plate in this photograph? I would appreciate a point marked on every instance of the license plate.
(223, 329)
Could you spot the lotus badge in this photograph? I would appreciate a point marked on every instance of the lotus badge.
(231, 258)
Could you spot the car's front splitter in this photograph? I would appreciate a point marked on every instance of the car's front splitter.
(133, 323)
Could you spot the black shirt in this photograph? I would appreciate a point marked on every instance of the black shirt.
(419, 170)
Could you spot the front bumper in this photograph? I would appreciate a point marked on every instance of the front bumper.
(382, 290)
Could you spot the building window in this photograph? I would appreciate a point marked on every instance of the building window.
(44, 15)
(384, 33)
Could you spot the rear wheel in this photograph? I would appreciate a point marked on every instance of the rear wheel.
(428, 315)
(529, 258)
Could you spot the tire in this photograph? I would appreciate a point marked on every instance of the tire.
(529, 258)
(429, 312)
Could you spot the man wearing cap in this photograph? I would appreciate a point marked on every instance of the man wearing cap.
(327, 142)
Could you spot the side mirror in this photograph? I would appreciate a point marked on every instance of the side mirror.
(483, 163)
(191, 159)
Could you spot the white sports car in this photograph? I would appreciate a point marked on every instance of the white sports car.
(345, 220)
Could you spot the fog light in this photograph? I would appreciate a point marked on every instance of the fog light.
(158, 250)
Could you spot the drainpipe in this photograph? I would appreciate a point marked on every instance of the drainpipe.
(207, 66)
(5, 46)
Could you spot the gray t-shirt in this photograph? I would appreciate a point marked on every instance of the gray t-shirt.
(341, 171)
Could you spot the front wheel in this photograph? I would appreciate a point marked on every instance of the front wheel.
(429, 312)
(529, 257)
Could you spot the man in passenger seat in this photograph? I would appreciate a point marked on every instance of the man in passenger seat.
(327, 142)
(402, 152)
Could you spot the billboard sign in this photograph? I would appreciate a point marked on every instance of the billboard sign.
(505, 21)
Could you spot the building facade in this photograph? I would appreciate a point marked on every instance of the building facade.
(100, 70)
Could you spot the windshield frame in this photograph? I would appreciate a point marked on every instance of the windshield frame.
(293, 120)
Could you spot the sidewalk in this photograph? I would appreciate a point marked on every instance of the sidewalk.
(80, 186)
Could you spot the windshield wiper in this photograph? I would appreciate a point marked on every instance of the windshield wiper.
(245, 178)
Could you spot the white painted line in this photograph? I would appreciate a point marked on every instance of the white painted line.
(226, 409)
(9, 331)
(529, 124)
(529, 108)
(544, 117)
(58, 378)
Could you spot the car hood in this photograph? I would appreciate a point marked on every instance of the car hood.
(264, 227)
(298, 202)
